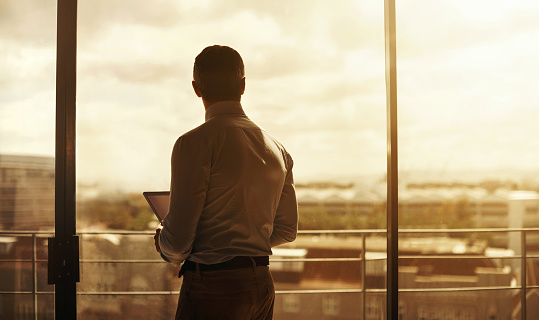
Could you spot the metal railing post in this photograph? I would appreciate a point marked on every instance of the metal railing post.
(363, 275)
(34, 274)
(523, 275)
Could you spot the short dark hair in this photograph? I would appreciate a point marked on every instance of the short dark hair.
(218, 73)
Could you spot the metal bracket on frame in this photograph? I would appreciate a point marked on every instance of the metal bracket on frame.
(63, 265)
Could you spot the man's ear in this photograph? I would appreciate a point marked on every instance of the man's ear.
(195, 87)
(242, 85)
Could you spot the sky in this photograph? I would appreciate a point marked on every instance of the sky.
(468, 95)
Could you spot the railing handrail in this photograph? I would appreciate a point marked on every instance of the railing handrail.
(363, 259)
(325, 231)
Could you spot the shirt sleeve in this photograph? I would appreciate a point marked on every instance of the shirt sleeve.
(285, 224)
(190, 171)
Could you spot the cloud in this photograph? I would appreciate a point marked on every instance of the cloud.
(270, 61)
(426, 28)
(97, 17)
(315, 80)
(148, 72)
(29, 23)
(27, 124)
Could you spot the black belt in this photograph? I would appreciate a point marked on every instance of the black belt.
(234, 263)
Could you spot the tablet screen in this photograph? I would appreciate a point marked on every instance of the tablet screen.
(158, 201)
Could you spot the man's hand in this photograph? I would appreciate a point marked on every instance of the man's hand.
(156, 237)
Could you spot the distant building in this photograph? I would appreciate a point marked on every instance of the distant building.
(26, 192)
(339, 201)
(487, 209)
(523, 212)
(26, 203)
(422, 270)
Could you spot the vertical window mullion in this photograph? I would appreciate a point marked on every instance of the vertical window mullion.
(392, 160)
(63, 250)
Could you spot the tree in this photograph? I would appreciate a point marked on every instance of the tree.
(120, 211)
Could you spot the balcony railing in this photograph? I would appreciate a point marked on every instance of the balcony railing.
(523, 287)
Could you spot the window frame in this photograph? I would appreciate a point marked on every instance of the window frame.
(65, 214)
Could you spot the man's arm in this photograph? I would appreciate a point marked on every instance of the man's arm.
(156, 241)
(190, 171)
(285, 224)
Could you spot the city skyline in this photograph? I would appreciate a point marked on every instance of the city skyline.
(315, 80)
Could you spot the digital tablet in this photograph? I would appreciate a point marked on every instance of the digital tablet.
(158, 201)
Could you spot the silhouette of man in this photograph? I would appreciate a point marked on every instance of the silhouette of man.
(232, 199)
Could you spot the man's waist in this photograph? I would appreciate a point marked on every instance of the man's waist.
(234, 263)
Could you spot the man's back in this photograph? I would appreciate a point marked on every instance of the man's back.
(244, 173)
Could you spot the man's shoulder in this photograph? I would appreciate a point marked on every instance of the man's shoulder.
(193, 137)
(198, 132)
(280, 147)
(270, 136)
(204, 132)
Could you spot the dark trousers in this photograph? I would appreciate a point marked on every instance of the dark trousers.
(237, 294)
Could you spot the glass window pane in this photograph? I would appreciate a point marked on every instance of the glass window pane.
(466, 76)
(27, 118)
(315, 81)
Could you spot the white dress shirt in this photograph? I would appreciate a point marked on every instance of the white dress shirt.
(231, 193)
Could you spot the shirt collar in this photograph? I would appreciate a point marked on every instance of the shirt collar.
(224, 107)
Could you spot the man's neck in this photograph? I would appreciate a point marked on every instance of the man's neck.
(209, 103)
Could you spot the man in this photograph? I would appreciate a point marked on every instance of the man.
(232, 199)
